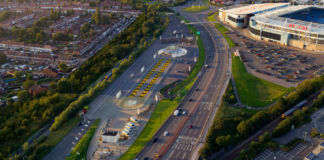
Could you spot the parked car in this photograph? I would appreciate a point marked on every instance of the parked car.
(166, 133)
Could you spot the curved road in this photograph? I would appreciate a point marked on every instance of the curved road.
(181, 141)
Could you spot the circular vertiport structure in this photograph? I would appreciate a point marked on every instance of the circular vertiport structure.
(173, 51)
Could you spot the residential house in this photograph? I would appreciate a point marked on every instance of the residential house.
(36, 89)
(66, 59)
(72, 18)
(11, 44)
(51, 72)
(14, 55)
(42, 58)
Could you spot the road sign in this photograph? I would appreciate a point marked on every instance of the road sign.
(198, 32)
(118, 94)
(142, 69)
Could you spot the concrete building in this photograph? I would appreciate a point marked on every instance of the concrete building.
(300, 26)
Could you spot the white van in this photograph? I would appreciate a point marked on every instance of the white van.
(127, 129)
(126, 132)
(134, 119)
(176, 112)
(129, 126)
(130, 123)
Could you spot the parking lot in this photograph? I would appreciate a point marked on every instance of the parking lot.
(284, 64)
(279, 154)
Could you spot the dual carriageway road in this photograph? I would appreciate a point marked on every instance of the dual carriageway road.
(181, 141)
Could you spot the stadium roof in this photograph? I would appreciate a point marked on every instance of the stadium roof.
(252, 8)
(274, 18)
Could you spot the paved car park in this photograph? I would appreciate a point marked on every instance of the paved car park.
(279, 154)
(286, 66)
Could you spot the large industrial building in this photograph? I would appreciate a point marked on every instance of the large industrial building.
(301, 26)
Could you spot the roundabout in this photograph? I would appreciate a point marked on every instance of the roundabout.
(131, 102)
(173, 51)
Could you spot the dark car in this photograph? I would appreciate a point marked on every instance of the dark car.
(197, 89)
(179, 109)
(190, 126)
(154, 139)
(146, 158)
(79, 124)
(190, 99)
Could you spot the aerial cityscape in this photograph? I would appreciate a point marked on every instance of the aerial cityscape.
(161, 80)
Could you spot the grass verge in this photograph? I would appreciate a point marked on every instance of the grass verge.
(200, 61)
(254, 91)
(167, 87)
(222, 29)
(160, 114)
(211, 4)
(84, 142)
(225, 111)
(56, 136)
(195, 9)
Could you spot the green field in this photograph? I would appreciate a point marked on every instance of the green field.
(83, 144)
(222, 29)
(160, 114)
(195, 9)
(200, 61)
(254, 91)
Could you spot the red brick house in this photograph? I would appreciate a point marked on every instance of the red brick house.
(51, 72)
(36, 89)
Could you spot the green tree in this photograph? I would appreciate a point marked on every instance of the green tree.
(64, 86)
(113, 15)
(85, 27)
(25, 146)
(83, 1)
(10, 101)
(121, 6)
(271, 1)
(52, 87)
(64, 4)
(92, 4)
(5, 15)
(22, 32)
(18, 74)
(62, 66)
(3, 58)
(115, 72)
(117, 51)
(96, 17)
(27, 84)
(105, 19)
(39, 37)
(23, 95)
(70, 3)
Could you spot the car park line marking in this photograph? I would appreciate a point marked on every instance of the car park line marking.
(184, 155)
